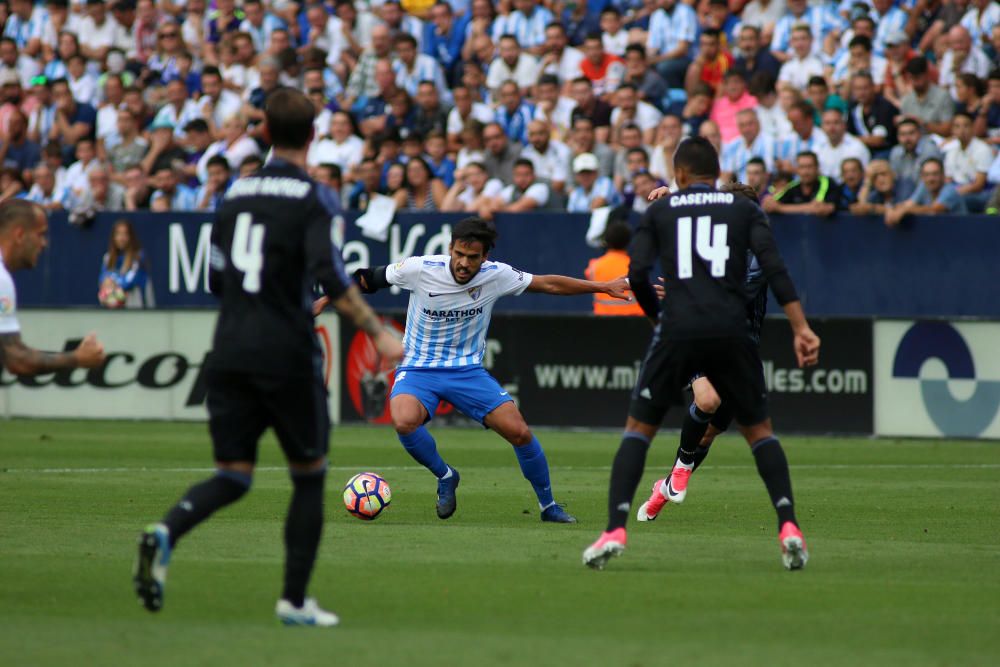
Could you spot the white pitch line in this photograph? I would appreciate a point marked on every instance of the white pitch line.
(807, 466)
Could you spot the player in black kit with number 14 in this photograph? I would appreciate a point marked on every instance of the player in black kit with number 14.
(271, 242)
(701, 237)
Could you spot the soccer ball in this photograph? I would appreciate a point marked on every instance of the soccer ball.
(366, 495)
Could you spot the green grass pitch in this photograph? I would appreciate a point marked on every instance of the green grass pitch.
(904, 539)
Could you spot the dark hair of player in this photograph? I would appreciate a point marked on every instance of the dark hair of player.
(698, 157)
(908, 120)
(19, 212)
(475, 230)
(290, 117)
(617, 236)
(817, 81)
(524, 162)
(757, 160)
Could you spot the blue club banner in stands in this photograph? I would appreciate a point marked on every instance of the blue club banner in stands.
(845, 266)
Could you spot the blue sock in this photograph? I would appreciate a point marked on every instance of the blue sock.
(536, 470)
(420, 445)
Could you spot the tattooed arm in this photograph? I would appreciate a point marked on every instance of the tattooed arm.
(20, 359)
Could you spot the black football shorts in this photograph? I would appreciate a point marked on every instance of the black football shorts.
(732, 365)
(241, 406)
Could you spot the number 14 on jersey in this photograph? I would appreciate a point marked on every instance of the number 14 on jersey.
(710, 243)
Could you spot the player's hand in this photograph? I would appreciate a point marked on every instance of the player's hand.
(389, 346)
(806, 345)
(618, 288)
(659, 192)
(320, 304)
(90, 353)
(661, 291)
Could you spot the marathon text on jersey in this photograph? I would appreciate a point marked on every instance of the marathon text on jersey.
(453, 314)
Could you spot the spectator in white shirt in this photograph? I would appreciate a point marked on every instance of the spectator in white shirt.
(803, 65)
(512, 65)
(553, 108)
(98, 31)
(858, 58)
(524, 193)
(81, 83)
(343, 148)
(216, 104)
(326, 32)
(465, 108)
(839, 145)
(549, 156)
(967, 160)
(235, 145)
(558, 58)
(961, 57)
(630, 110)
(473, 191)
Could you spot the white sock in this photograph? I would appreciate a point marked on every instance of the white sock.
(448, 474)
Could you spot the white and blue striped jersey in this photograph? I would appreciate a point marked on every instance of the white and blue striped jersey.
(736, 154)
(789, 147)
(425, 68)
(980, 23)
(261, 36)
(666, 30)
(821, 20)
(529, 30)
(895, 20)
(446, 322)
(22, 31)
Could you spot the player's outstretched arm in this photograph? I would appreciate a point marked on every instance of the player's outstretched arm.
(564, 286)
(805, 342)
(20, 359)
(351, 304)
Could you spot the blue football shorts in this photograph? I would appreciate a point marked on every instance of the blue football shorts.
(473, 391)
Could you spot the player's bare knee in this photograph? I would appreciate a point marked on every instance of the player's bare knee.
(406, 424)
(706, 398)
(519, 436)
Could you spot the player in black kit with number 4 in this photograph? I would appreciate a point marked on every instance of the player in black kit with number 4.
(701, 237)
(271, 242)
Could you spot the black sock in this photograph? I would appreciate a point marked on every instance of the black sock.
(773, 469)
(203, 499)
(695, 424)
(626, 471)
(700, 455)
(303, 528)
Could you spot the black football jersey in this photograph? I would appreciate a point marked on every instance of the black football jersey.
(271, 243)
(702, 236)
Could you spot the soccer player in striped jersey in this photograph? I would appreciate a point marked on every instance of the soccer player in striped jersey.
(451, 300)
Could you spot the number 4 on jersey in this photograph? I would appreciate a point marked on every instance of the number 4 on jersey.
(710, 242)
(248, 256)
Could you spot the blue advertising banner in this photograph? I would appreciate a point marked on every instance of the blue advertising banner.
(844, 266)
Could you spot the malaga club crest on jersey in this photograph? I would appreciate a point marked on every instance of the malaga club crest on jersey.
(474, 292)
(7, 304)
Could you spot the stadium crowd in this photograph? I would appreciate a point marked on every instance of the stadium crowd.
(868, 106)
